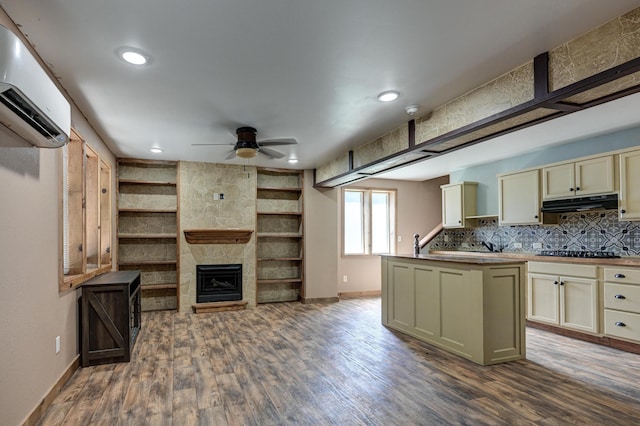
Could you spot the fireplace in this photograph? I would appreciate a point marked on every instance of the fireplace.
(218, 283)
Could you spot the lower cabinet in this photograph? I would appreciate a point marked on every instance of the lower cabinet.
(110, 317)
(564, 295)
(622, 303)
(475, 311)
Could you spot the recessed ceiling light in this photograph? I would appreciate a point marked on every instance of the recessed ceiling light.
(388, 96)
(133, 56)
(293, 160)
(156, 150)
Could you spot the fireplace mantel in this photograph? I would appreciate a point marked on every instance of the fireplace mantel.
(218, 236)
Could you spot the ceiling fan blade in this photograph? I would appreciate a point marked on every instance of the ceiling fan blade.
(230, 155)
(211, 144)
(271, 153)
(276, 142)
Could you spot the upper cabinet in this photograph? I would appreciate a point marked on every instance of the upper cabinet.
(630, 185)
(519, 198)
(579, 179)
(459, 200)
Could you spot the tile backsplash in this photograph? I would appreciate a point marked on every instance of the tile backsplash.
(592, 231)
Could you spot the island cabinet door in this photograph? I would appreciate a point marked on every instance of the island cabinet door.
(400, 304)
(427, 297)
(460, 312)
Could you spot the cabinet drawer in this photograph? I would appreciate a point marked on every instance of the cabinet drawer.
(573, 270)
(631, 328)
(628, 297)
(622, 275)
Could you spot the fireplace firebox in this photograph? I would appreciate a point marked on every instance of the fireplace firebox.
(218, 283)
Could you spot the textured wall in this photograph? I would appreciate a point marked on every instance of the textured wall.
(389, 144)
(334, 168)
(509, 90)
(198, 210)
(612, 44)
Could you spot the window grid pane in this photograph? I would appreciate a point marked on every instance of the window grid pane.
(380, 222)
(353, 222)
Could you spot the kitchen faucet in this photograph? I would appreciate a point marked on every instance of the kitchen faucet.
(489, 246)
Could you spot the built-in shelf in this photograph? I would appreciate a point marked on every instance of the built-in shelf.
(147, 262)
(283, 280)
(281, 213)
(482, 216)
(131, 210)
(273, 188)
(146, 182)
(159, 286)
(218, 236)
(279, 259)
(146, 236)
(279, 235)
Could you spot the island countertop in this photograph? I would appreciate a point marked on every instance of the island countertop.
(473, 260)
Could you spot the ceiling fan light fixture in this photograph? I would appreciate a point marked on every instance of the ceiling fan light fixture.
(293, 160)
(156, 150)
(388, 96)
(246, 152)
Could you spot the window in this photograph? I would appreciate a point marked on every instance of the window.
(368, 221)
(86, 214)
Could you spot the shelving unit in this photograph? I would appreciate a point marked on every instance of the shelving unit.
(280, 238)
(148, 228)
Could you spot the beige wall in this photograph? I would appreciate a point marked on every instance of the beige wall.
(32, 312)
(321, 241)
(419, 210)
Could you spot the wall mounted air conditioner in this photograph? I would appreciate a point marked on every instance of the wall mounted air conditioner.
(31, 105)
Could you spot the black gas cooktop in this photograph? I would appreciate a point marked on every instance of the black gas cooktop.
(579, 253)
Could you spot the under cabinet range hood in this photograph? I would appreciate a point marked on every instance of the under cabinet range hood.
(31, 106)
(596, 202)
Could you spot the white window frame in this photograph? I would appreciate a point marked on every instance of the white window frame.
(366, 209)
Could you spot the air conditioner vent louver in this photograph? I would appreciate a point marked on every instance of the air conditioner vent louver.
(29, 114)
(31, 106)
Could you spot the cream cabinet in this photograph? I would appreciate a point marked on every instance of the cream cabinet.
(579, 179)
(622, 303)
(519, 198)
(459, 200)
(630, 185)
(473, 310)
(564, 295)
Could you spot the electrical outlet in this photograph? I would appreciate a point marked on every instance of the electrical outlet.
(399, 238)
(517, 245)
(216, 196)
(345, 278)
(57, 344)
(465, 245)
(446, 238)
(537, 245)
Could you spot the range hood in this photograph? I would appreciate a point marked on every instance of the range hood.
(581, 204)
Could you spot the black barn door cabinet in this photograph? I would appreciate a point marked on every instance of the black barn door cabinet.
(110, 317)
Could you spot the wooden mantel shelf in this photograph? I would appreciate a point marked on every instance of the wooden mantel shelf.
(218, 236)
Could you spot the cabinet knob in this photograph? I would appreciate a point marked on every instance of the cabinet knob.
(620, 324)
(619, 296)
(623, 211)
(459, 221)
(571, 189)
(555, 283)
(577, 188)
(561, 282)
(535, 217)
(620, 276)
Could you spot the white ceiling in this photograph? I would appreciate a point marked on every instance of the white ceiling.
(304, 69)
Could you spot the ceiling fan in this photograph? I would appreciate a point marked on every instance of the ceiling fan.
(248, 147)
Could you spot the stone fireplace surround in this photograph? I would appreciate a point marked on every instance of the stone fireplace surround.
(199, 210)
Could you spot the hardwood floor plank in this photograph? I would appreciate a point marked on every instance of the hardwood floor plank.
(290, 364)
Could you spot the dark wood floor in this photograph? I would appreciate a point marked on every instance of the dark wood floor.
(335, 364)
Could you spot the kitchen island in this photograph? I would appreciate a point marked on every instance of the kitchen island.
(473, 307)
